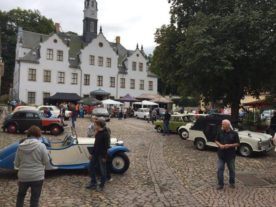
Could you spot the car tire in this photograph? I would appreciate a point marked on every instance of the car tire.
(245, 150)
(55, 130)
(200, 144)
(183, 133)
(159, 129)
(12, 128)
(119, 163)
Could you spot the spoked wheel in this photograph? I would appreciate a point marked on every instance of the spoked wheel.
(119, 163)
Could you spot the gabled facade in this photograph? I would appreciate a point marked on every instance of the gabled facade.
(68, 63)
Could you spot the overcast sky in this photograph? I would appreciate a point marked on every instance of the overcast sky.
(134, 20)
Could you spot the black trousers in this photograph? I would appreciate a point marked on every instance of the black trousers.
(36, 187)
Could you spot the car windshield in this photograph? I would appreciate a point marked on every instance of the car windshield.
(42, 115)
(54, 108)
(100, 111)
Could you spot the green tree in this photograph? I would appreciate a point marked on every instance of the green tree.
(9, 23)
(221, 50)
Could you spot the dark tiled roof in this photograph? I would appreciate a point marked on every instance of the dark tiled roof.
(75, 43)
(32, 39)
(65, 97)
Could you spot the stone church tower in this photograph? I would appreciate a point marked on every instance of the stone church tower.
(90, 21)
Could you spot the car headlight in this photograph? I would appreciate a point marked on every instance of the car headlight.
(260, 144)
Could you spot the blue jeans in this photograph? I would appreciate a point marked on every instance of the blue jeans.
(94, 163)
(73, 119)
(36, 187)
(231, 167)
(166, 127)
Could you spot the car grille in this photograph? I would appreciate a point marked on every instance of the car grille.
(266, 144)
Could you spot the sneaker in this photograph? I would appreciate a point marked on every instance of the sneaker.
(232, 185)
(91, 186)
(109, 180)
(219, 187)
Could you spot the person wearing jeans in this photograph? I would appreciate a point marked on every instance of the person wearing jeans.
(98, 155)
(31, 159)
(227, 140)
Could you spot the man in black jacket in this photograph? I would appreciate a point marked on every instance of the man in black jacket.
(273, 123)
(227, 141)
(98, 155)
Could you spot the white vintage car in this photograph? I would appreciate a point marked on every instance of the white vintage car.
(72, 154)
(204, 130)
(55, 111)
(142, 113)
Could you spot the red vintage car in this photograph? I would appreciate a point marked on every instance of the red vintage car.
(22, 120)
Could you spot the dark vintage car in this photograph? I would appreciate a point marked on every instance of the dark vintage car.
(101, 112)
(22, 120)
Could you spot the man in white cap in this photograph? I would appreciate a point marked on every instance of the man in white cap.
(227, 141)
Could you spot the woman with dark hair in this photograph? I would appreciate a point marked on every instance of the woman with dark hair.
(98, 155)
(31, 159)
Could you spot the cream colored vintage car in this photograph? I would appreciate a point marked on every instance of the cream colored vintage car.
(204, 130)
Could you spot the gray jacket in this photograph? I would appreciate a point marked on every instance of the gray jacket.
(31, 159)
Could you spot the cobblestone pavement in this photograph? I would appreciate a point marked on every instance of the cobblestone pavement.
(164, 171)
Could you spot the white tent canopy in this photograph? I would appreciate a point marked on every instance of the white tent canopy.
(149, 103)
(111, 102)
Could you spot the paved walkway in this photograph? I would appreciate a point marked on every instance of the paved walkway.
(164, 171)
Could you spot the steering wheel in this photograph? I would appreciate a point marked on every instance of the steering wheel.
(66, 139)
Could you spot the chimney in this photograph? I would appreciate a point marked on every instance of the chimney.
(57, 27)
(118, 40)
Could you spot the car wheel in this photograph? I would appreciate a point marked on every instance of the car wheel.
(12, 128)
(55, 130)
(119, 163)
(159, 129)
(200, 144)
(245, 150)
(183, 133)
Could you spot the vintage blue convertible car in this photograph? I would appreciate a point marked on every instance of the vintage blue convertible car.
(72, 153)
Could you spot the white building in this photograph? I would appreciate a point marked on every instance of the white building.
(68, 63)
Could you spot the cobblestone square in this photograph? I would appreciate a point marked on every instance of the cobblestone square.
(164, 171)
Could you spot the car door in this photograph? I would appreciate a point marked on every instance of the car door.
(173, 123)
(20, 119)
(32, 118)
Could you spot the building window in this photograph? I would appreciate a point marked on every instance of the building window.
(50, 54)
(150, 85)
(47, 76)
(61, 77)
(45, 95)
(92, 60)
(31, 97)
(108, 62)
(122, 82)
(112, 82)
(100, 81)
(134, 65)
(100, 61)
(86, 79)
(32, 75)
(74, 78)
(132, 84)
(92, 26)
(141, 65)
(59, 55)
(142, 84)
